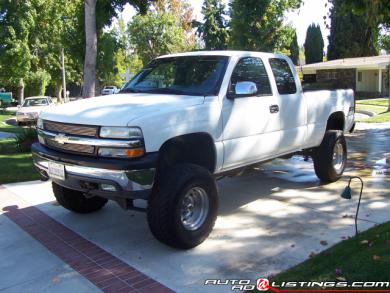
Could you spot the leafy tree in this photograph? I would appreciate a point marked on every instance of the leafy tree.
(257, 25)
(155, 34)
(294, 50)
(183, 13)
(213, 30)
(16, 22)
(314, 44)
(33, 34)
(384, 41)
(350, 34)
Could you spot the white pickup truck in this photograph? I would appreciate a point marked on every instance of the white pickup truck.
(181, 123)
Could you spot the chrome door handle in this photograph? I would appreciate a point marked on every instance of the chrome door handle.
(274, 109)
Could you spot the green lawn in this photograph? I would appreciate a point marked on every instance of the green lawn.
(365, 258)
(15, 166)
(377, 106)
(5, 115)
(375, 102)
(385, 117)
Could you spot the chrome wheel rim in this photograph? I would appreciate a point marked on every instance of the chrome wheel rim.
(194, 208)
(338, 157)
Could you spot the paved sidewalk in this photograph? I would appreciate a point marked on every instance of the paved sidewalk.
(270, 219)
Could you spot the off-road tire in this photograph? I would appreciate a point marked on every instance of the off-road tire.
(323, 157)
(75, 201)
(164, 207)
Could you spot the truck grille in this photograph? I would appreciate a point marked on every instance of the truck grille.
(74, 129)
(72, 148)
(71, 129)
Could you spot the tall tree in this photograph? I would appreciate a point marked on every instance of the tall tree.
(294, 50)
(156, 33)
(350, 34)
(257, 25)
(16, 21)
(213, 30)
(314, 44)
(183, 13)
(33, 35)
(97, 15)
(90, 49)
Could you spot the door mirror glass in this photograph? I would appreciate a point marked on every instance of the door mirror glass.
(246, 88)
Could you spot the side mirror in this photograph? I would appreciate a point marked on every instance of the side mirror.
(243, 89)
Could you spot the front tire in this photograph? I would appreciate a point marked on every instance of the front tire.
(75, 201)
(330, 158)
(183, 211)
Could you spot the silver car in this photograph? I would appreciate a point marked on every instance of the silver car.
(31, 108)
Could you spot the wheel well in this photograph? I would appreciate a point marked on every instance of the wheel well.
(195, 148)
(336, 121)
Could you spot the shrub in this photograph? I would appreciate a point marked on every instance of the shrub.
(25, 139)
(36, 83)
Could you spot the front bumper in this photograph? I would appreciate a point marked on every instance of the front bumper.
(130, 179)
(26, 118)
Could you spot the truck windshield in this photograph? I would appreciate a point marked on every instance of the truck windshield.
(35, 102)
(185, 75)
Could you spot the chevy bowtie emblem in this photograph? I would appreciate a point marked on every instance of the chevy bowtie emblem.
(61, 138)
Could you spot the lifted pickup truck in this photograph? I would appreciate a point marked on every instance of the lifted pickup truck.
(181, 123)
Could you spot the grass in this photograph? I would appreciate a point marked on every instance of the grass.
(374, 102)
(15, 166)
(381, 118)
(364, 258)
(5, 115)
(377, 106)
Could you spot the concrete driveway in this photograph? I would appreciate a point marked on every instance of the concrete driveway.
(270, 219)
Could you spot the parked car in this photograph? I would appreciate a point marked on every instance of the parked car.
(5, 98)
(109, 90)
(184, 121)
(31, 108)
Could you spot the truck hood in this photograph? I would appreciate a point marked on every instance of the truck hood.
(117, 110)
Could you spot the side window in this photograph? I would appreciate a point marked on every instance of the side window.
(252, 69)
(283, 76)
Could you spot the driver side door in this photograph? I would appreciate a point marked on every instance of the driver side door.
(251, 125)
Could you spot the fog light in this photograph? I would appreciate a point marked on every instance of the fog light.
(108, 187)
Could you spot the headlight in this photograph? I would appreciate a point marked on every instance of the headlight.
(120, 132)
(40, 123)
(121, 153)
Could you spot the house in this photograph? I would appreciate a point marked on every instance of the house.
(368, 76)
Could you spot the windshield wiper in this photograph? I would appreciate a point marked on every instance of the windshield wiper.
(130, 90)
(166, 91)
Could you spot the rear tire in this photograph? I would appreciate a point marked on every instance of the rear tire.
(183, 211)
(75, 201)
(330, 158)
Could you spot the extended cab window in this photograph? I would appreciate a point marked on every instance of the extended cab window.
(252, 69)
(283, 76)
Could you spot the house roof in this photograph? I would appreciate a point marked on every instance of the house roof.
(374, 62)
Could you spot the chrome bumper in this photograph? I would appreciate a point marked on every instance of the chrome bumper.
(132, 184)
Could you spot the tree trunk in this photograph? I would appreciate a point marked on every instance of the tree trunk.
(59, 93)
(21, 92)
(90, 49)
